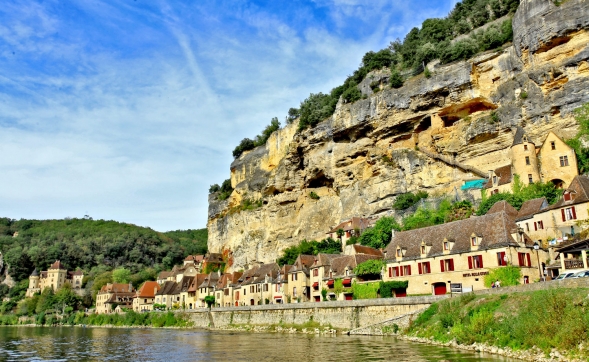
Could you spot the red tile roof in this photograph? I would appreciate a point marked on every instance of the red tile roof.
(148, 290)
(57, 265)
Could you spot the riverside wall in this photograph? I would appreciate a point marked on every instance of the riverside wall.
(345, 315)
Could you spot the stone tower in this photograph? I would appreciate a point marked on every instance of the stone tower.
(523, 158)
(34, 286)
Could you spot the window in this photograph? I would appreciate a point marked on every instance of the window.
(398, 252)
(265, 287)
(568, 213)
(552, 145)
(347, 272)
(390, 272)
(294, 292)
(501, 259)
(423, 249)
(494, 180)
(244, 291)
(424, 268)
(294, 277)
(406, 269)
(530, 178)
(527, 227)
(315, 272)
(473, 241)
(524, 259)
(331, 274)
(525, 148)
(475, 262)
(538, 225)
(447, 265)
(446, 245)
(527, 160)
(277, 287)
(564, 161)
(567, 196)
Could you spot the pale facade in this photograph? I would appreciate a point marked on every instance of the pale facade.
(145, 297)
(461, 252)
(55, 277)
(114, 295)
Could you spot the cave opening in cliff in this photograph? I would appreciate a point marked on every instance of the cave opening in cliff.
(456, 112)
(553, 44)
(450, 120)
(424, 125)
(320, 180)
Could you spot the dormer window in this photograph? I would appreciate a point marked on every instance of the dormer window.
(399, 254)
(494, 180)
(347, 272)
(567, 196)
(446, 245)
(473, 241)
(423, 249)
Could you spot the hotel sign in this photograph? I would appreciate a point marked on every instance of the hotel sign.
(466, 275)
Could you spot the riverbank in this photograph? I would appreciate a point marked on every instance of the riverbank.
(543, 325)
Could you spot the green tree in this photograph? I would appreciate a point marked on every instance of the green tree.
(395, 79)
(369, 269)
(582, 117)
(121, 275)
(210, 300)
(380, 235)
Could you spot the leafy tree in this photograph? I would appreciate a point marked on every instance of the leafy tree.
(210, 300)
(100, 281)
(369, 269)
(121, 275)
(246, 144)
(267, 132)
(379, 236)
(408, 199)
(513, 200)
(293, 113)
(582, 118)
(340, 233)
(396, 80)
(214, 188)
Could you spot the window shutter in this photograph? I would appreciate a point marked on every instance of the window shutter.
(535, 226)
(503, 262)
(409, 270)
(574, 214)
(562, 212)
(529, 261)
(442, 266)
(451, 264)
(480, 261)
(470, 262)
(401, 270)
(396, 271)
(419, 268)
(390, 272)
(520, 258)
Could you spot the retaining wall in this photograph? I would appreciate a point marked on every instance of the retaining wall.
(345, 315)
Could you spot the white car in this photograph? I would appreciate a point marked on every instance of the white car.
(566, 275)
(581, 274)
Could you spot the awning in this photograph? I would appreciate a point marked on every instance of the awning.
(315, 285)
(473, 184)
(277, 297)
(347, 281)
(330, 282)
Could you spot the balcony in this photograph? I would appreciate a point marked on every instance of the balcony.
(573, 264)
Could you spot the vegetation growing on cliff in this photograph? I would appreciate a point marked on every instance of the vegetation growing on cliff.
(420, 46)
(327, 246)
(379, 236)
(224, 191)
(406, 200)
(247, 144)
(547, 319)
(577, 143)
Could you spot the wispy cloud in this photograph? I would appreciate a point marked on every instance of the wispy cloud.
(129, 111)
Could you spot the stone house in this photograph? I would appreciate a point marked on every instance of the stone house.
(165, 276)
(206, 288)
(342, 268)
(167, 294)
(145, 296)
(553, 161)
(242, 286)
(299, 279)
(263, 278)
(114, 295)
(54, 277)
(352, 227)
(317, 272)
(192, 292)
(280, 286)
(461, 252)
(224, 290)
(196, 260)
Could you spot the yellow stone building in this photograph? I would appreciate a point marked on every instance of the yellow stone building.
(553, 161)
(54, 277)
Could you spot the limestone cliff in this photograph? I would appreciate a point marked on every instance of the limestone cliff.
(432, 134)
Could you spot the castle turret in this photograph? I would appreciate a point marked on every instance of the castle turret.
(523, 156)
(33, 284)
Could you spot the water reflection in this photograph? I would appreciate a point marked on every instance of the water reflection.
(103, 344)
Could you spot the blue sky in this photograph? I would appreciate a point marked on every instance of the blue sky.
(129, 110)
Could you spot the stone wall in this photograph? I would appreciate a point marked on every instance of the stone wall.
(344, 315)
(565, 283)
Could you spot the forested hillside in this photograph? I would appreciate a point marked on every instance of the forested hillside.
(95, 246)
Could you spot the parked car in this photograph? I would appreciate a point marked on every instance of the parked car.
(566, 275)
(581, 274)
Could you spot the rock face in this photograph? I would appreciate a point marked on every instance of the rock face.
(432, 134)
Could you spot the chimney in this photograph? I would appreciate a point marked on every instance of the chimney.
(130, 287)
(392, 234)
(490, 174)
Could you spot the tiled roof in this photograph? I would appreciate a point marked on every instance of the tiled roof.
(531, 207)
(198, 280)
(503, 206)
(194, 258)
(270, 270)
(117, 288)
(214, 258)
(35, 273)
(324, 259)
(338, 265)
(356, 223)
(580, 187)
(184, 284)
(167, 288)
(57, 265)
(164, 275)
(518, 138)
(210, 280)
(494, 230)
(504, 174)
(362, 249)
(148, 289)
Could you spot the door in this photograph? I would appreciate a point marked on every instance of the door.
(439, 288)
(349, 296)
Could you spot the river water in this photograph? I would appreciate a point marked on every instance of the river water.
(114, 344)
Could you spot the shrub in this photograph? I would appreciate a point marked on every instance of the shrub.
(365, 290)
(369, 269)
(523, 95)
(404, 201)
(379, 236)
(395, 80)
(225, 191)
(313, 195)
(246, 144)
(293, 113)
(427, 73)
(507, 276)
(387, 288)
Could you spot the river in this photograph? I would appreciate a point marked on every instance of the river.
(114, 344)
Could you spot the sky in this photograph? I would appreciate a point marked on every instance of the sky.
(128, 110)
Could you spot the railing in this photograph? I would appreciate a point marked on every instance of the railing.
(573, 264)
